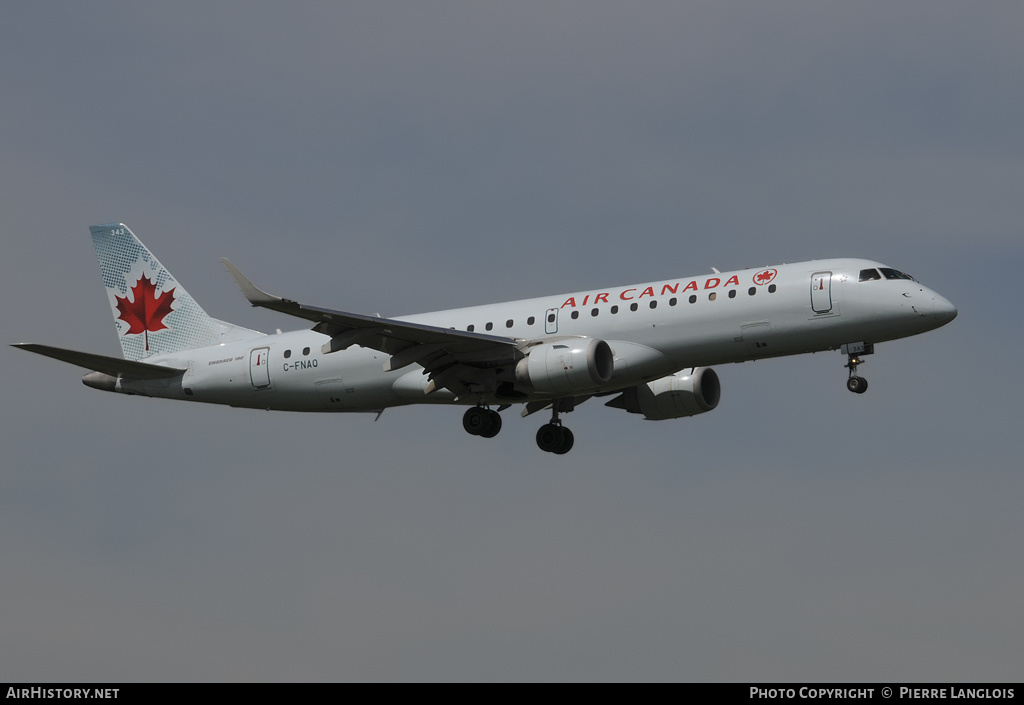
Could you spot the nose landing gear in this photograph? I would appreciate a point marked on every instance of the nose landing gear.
(857, 385)
(854, 353)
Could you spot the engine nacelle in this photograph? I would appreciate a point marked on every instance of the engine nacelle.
(686, 393)
(567, 366)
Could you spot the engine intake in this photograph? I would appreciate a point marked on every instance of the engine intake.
(567, 366)
(686, 393)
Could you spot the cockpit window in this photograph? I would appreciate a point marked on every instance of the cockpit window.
(896, 274)
(869, 275)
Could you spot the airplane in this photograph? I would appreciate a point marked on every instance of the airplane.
(650, 346)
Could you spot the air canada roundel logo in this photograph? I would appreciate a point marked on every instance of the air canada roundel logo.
(765, 276)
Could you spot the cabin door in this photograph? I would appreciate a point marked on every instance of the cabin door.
(821, 292)
(259, 367)
(551, 321)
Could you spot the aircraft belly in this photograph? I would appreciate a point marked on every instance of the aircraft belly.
(220, 380)
(353, 391)
(349, 380)
(635, 363)
(702, 342)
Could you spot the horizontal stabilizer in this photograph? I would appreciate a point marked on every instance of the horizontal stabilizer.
(113, 366)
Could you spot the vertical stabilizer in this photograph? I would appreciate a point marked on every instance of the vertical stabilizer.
(153, 313)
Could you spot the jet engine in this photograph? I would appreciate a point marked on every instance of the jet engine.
(566, 367)
(686, 393)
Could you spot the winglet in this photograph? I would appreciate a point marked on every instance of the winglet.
(255, 295)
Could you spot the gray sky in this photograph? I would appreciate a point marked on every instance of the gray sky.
(400, 157)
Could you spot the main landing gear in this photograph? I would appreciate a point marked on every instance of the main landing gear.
(854, 353)
(480, 421)
(554, 437)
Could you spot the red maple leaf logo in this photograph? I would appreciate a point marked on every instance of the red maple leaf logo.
(765, 276)
(148, 311)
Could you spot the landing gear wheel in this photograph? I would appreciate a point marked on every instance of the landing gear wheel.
(479, 421)
(857, 385)
(493, 424)
(475, 420)
(565, 445)
(552, 438)
(547, 437)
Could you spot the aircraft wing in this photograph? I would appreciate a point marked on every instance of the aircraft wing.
(113, 366)
(456, 359)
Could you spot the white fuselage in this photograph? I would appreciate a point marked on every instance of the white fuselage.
(654, 329)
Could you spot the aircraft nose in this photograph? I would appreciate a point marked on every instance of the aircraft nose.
(943, 310)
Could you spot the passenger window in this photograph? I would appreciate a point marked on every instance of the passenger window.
(489, 325)
(530, 321)
(771, 288)
(752, 290)
(575, 315)
(305, 351)
(287, 354)
(633, 307)
(471, 328)
(551, 318)
(869, 275)
(712, 296)
(654, 304)
(593, 312)
(672, 301)
(615, 309)
(732, 293)
(693, 298)
(508, 323)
